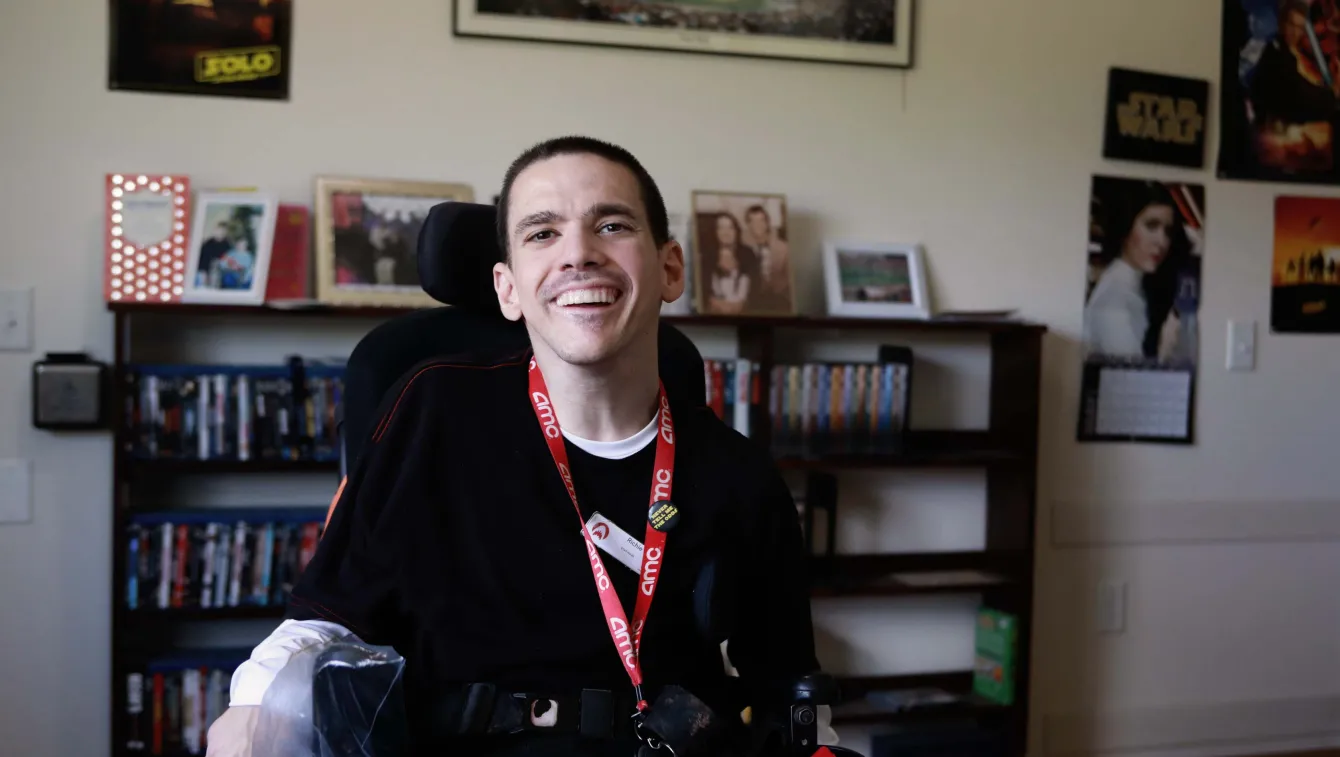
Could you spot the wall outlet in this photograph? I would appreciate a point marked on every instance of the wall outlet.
(1111, 606)
(16, 491)
(16, 320)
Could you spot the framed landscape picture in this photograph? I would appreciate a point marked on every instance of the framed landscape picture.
(875, 280)
(857, 32)
(367, 234)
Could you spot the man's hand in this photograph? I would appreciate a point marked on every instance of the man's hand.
(231, 734)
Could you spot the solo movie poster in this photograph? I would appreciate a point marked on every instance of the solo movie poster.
(1281, 81)
(1305, 274)
(232, 48)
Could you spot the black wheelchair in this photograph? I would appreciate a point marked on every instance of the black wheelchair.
(457, 249)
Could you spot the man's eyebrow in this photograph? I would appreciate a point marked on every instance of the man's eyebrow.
(535, 219)
(610, 209)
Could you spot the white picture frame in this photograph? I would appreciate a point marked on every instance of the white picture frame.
(843, 258)
(228, 230)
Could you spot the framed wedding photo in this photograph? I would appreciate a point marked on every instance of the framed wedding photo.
(741, 257)
(875, 280)
(367, 234)
(228, 261)
(854, 32)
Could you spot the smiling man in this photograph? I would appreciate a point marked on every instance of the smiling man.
(466, 536)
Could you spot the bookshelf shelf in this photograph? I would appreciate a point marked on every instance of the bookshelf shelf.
(252, 311)
(871, 700)
(1001, 572)
(810, 323)
(151, 617)
(165, 466)
(879, 575)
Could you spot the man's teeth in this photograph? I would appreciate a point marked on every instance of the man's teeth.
(598, 296)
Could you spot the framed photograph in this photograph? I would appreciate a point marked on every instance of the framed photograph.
(741, 258)
(144, 237)
(875, 280)
(856, 32)
(228, 261)
(201, 47)
(367, 233)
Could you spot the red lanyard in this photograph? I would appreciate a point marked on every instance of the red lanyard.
(627, 639)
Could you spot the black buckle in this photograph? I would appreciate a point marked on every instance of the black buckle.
(597, 714)
(476, 708)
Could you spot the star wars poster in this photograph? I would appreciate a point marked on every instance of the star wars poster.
(1140, 334)
(231, 48)
(1154, 118)
(1280, 108)
(1305, 274)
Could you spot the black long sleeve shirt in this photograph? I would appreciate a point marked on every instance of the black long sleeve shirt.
(455, 542)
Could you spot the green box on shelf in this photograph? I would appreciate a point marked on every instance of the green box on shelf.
(995, 657)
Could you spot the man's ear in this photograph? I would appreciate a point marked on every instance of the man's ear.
(505, 286)
(672, 271)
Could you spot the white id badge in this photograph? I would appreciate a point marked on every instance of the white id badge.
(615, 541)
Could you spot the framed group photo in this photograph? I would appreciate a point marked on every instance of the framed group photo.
(228, 261)
(367, 233)
(857, 32)
(741, 257)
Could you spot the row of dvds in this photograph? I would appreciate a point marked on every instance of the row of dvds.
(839, 408)
(245, 558)
(815, 408)
(171, 702)
(243, 412)
(257, 412)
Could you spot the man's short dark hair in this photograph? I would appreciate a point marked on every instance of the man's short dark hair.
(652, 203)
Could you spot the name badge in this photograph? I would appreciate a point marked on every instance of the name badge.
(615, 542)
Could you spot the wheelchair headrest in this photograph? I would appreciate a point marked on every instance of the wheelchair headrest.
(457, 249)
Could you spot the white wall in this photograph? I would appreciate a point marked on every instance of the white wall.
(983, 153)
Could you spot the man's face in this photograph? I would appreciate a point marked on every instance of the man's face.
(1294, 29)
(758, 224)
(585, 272)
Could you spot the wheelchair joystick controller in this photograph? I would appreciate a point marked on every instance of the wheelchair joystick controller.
(808, 693)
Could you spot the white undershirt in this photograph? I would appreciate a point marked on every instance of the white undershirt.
(616, 450)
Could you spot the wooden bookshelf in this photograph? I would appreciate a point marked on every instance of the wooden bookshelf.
(1006, 450)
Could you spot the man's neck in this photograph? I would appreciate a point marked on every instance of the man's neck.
(606, 402)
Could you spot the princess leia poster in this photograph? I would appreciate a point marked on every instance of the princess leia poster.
(1142, 294)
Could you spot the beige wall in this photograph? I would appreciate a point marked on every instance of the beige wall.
(983, 153)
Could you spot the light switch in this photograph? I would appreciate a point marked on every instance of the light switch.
(1241, 345)
(16, 320)
(16, 491)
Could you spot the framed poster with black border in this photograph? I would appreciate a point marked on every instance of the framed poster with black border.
(855, 32)
(1140, 337)
(1279, 110)
(1155, 118)
(221, 48)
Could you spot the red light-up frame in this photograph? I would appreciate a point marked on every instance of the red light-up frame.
(144, 255)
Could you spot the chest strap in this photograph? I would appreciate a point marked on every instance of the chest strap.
(486, 709)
